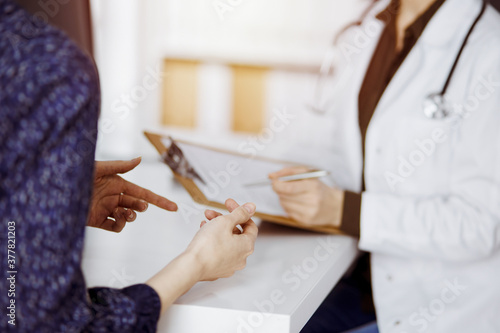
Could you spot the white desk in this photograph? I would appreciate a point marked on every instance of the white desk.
(286, 279)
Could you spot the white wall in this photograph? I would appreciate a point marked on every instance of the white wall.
(133, 36)
(255, 31)
(116, 33)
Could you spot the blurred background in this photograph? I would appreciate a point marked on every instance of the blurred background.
(211, 71)
(214, 71)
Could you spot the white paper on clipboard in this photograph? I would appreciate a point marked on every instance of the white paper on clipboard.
(225, 174)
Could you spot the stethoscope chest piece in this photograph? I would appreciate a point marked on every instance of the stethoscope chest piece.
(435, 106)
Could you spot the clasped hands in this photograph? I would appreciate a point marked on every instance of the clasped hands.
(217, 250)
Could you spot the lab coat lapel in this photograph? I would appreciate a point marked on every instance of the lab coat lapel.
(438, 39)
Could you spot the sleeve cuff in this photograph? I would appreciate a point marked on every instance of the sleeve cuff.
(132, 309)
(148, 306)
(351, 214)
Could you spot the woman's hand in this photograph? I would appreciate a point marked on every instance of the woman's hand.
(309, 201)
(219, 246)
(115, 200)
(216, 251)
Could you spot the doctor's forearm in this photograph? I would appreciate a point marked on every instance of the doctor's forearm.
(351, 214)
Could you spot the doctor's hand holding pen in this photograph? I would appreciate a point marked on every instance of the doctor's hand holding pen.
(216, 251)
(308, 201)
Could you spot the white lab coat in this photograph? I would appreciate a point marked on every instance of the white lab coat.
(430, 215)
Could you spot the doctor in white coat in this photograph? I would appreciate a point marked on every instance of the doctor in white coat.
(430, 208)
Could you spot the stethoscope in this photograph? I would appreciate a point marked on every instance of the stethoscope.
(435, 105)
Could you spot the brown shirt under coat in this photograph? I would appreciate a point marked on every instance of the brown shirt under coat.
(385, 62)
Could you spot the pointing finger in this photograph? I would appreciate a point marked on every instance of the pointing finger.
(151, 197)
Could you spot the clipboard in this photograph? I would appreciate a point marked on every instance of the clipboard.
(189, 178)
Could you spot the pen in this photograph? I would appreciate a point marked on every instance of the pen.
(299, 176)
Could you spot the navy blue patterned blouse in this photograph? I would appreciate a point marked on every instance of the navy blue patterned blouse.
(49, 104)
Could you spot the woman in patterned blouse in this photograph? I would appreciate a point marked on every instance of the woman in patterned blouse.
(49, 104)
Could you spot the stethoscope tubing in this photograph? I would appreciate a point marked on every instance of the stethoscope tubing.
(459, 55)
(442, 93)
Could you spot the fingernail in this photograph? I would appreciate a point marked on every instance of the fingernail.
(129, 213)
(137, 159)
(144, 206)
(250, 207)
